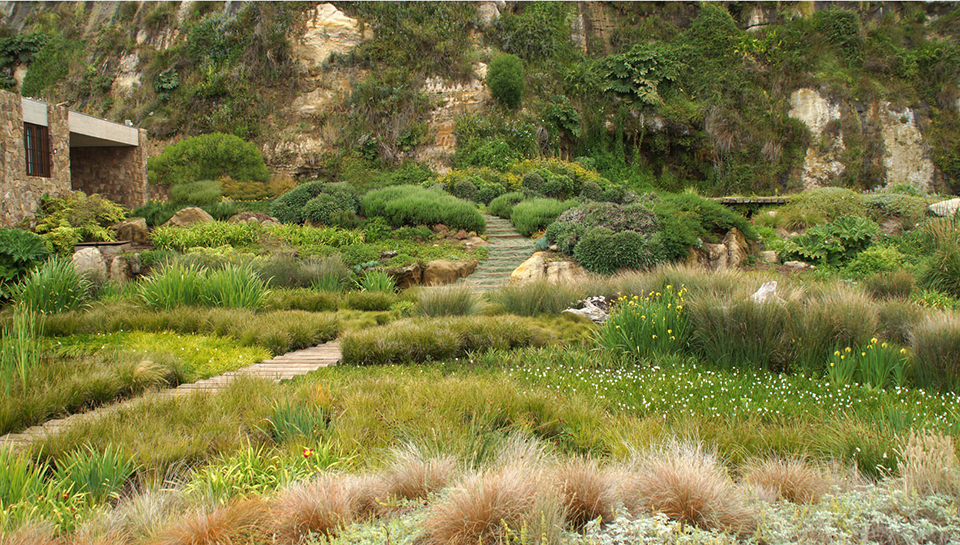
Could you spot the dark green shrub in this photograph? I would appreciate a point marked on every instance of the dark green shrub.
(841, 27)
(203, 193)
(819, 205)
(566, 231)
(540, 31)
(20, 251)
(603, 251)
(339, 204)
(155, 212)
(832, 243)
(687, 220)
(208, 157)
(505, 79)
(534, 215)
(591, 191)
(503, 205)
(464, 189)
(414, 205)
(533, 181)
(910, 210)
(941, 270)
(874, 260)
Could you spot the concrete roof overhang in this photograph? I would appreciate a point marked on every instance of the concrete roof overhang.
(86, 131)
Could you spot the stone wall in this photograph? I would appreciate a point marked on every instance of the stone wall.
(20, 194)
(118, 173)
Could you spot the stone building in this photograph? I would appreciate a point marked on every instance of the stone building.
(47, 149)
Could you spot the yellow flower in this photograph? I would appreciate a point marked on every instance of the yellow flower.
(672, 338)
(847, 350)
(884, 345)
(654, 336)
(669, 287)
(837, 353)
(863, 353)
(903, 350)
(843, 357)
(873, 340)
(670, 331)
(679, 307)
(833, 364)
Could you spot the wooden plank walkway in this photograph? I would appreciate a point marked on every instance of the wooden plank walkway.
(285, 367)
(752, 200)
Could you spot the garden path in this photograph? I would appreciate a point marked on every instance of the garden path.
(283, 367)
(508, 249)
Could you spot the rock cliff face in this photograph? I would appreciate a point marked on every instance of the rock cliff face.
(320, 89)
(905, 157)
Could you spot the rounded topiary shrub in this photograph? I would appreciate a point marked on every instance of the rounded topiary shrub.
(533, 181)
(208, 157)
(465, 189)
(570, 226)
(503, 205)
(340, 198)
(505, 79)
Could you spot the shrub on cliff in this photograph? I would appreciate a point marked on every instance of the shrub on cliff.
(505, 78)
(208, 157)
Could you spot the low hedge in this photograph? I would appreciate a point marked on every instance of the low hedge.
(413, 205)
(534, 215)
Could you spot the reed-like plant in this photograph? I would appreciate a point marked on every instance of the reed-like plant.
(377, 281)
(173, 286)
(290, 421)
(233, 287)
(743, 333)
(21, 348)
(936, 346)
(54, 287)
(653, 324)
(99, 475)
(875, 364)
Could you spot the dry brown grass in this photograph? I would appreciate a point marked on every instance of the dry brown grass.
(486, 506)
(236, 523)
(324, 505)
(587, 491)
(690, 485)
(32, 534)
(795, 480)
(928, 464)
(414, 475)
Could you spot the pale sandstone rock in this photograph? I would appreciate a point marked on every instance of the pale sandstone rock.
(90, 262)
(134, 229)
(442, 271)
(737, 248)
(404, 277)
(945, 208)
(329, 30)
(188, 216)
(905, 157)
(530, 270)
(769, 256)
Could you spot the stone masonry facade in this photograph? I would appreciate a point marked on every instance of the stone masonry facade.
(20, 194)
(119, 173)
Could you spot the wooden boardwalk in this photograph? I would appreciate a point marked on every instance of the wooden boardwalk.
(285, 367)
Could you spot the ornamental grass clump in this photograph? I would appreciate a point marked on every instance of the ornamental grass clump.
(452, 300)
(21, 348)
(928, 464)
(175, 285)
(98, 475)
(936, 350)
(655, 323)
(795, 480)
(534, 298)
(233, 287)
(54, 287)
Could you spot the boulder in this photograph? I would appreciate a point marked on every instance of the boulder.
(766, 292)
(593, 308)
(90, 262)
(697, 258)
(769, 256)
(120, 270)
(441, 230)
(474, 242)
(564, 272)
(442, 271)
(530, 270)
(389, 254)
(797, 265)
(253, 217)
(717, 256)
(462, 235)
(134, 229)
(188, 216)
(945, 208)
(404, 277)
(737, 248)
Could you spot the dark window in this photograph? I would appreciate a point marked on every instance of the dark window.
(37, 141)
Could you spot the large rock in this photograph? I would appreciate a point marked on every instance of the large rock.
(407, 276)
(328, 30)
(539, 268)
(134, 229)
(945, 208)
(737, 248)
(90, 262)
(530, 270)
(188, 216)
(120, 270)
(718, 256)
(442, 271)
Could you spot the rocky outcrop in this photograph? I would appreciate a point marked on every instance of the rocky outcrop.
(905, 157)
(134, 229)
(453, 100)
(188, 216)
(406, 276)
(732, 252)
(442, 271)
(540, 268)
(819, 166)
(329, 30)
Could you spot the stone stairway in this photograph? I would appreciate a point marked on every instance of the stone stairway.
(283, 367)
(507, 250)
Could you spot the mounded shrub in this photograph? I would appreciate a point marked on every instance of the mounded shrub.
(833, 243)
(534, 215)
(339, 203)
(415, 205)
(208, 157)
(503, 205)
(570, 226)
(203, 193)
(505, 79)
(603, 251)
